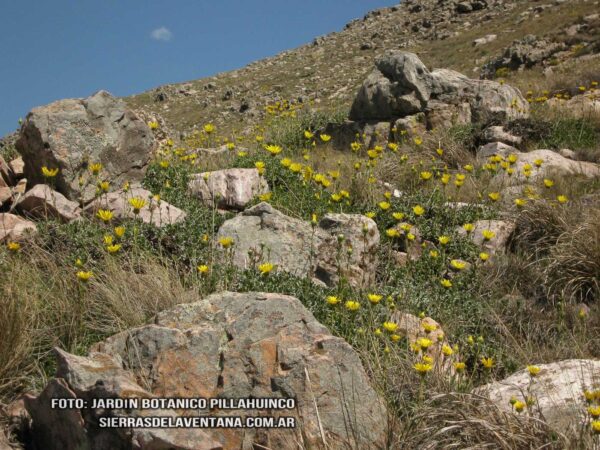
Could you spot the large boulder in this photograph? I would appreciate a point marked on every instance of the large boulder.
(501, 230)
(228, 188)
(155, 211)
(44, 202)
(15, 228)
(70, 134)
(557, 390)
(262, 233)
(401, 85)
(227, 346)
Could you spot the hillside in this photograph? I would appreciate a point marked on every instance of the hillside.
(385, 239)
(328, 71)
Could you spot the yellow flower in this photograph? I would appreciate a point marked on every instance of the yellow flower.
(325, 137)
(265, 268)
(429, 327)
(384, 205)
(422, 368)
(108, 239)
(286, 162)
(153, 125)
(105, 215)
(548, 183)
(230, 146)
(355, 146)
(13, 246)
(520, 202)
(370, 214)
(49, 173)
(209, 128)
(538, 162)
(259, 138)
(446, 283)
(137, 203)
(445, 179)
(226, 241)
(439, 151)
(390, 327)
(594, 411)
(411, 237)
(458, 264)
(459, 366)
(296, 167)
(203, 269)
(260, 166)
(242, 153)
(488, 235)
(447, 350)
(333, 300)
(374, 298)
(398, 215)
(95, 168)
(425, 175)
(103, 186)
(113, 248)
(273, 149)
(352, 305)
(419, 210)
(434, 254)
(164, 164)
(424, 343)
(427, 359)
(562, 199)
(119, 231)
(265, 197)
(519, 406)
(533, 370)
(596, 426)
(468, 227)
(469, 168)
(443, 240)
(393, 146)
(308, 134)
(84, 276)
(392, 233)
(78, 262)
(484, 256)
(487, 363)
(417, 140)
(494, 196)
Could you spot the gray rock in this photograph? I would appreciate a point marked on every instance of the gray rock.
(15, 228)
(557, 389)
(156, 212)
(69, 134)
(502, 229)
(228, 188)
(228, 345)
(499, 134)
(44, 202)
(262, 233)
(401, 85)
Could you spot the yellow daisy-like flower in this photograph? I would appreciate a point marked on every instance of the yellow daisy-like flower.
(468, 227)
(137, 203)
(519, 406)
(209, 128)
(203, 269)
(487, 363)
(265, 268)
(13, 246)
(434, 254)
(370, 214)
(488, 235)
(484, 256)
(594, 411)
(520, 202)
(273, 149)
(226, 241)
(308, 134)
(447, 350)
(113, 248)
(325, 137)
(418, 210)
(296, 167)
(352, 305)
(374, 298)
(105, 215)
(538, 162)
(494, 196)
(424, 343)
(286, 162)
(458, 264)
(95, 168)
(417, 140)
(562, 199)
(384, 206)
(596, 426)
(533, 370)
(390, 327)
(425, 175)
(446, 283)
(84, 276)
(469, 168)
(265, 197)
(459, 366)
(398, 215)
(332, 300)
(260, 166)
(548, 183)
(392, 233)
(49, 173)
(443, 240)
(423, 368)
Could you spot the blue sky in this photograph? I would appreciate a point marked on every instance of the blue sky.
(53, 49)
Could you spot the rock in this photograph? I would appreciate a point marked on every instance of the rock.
(558, 390)
(499, 134)
(485, 40)
(69, 134)
(15, 228)
(228, 346)
(582, 105)
(18, 167)
(156, 212)
(228, 188)
(502, 229)
(410, 126)
(4, 444)
(6, 194)
(569, 154)
(6, 174)
(443, 115)
(495, 148)
(262, 233)
(522, 53)
(401, 85)
(43, 202)
(464, 7)
(370, 133)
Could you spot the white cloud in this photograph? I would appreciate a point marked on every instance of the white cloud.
(162, 34)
